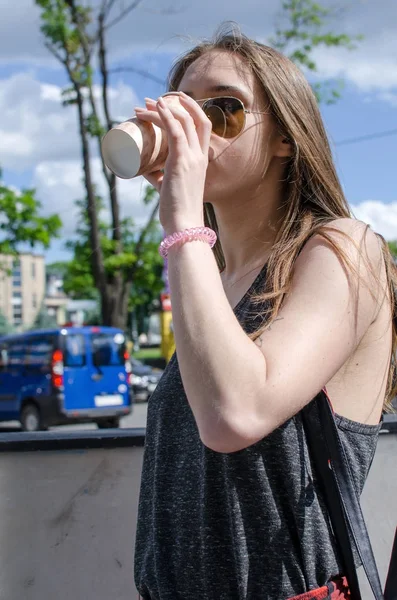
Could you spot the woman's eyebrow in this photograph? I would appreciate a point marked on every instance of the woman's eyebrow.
(220, 88)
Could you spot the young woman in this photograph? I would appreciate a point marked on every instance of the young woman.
(296, 296)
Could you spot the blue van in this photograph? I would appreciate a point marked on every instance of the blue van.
(64, 376)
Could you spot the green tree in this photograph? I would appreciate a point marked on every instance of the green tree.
(75, 33)
(302, 28)
(5, 326)
(43, 320)
(21, 221)
(140, 258)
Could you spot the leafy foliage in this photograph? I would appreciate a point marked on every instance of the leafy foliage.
(302, 32)
(147, 281)
(105, 262)
(21, 222)
(43, 320)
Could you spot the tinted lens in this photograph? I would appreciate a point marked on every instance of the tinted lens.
(226, 115)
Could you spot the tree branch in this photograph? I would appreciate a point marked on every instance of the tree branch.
(55, 53)
(164, 11)
(107, 7)
(110, 177)
(87, 47)
(124, 13)
(139, 72)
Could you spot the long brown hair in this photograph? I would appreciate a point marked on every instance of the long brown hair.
(314, 196)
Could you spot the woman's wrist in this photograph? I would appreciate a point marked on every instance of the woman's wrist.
(181, 223)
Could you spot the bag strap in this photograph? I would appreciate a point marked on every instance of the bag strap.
(391, 579)
(334, 472)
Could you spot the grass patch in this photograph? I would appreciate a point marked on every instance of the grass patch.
(144, 353)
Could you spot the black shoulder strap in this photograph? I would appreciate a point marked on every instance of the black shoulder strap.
(343, 503)
(391, 579)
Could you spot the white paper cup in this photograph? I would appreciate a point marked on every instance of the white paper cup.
(135, 147)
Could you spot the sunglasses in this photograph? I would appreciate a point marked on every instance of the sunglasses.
(226, 113)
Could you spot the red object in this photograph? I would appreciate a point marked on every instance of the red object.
(57, 369)
(166, 302)
(337, 590)
(128, 368)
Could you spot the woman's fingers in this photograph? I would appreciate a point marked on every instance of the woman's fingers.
(183, 120)
(202, 123)
(151, 104)
(179, 125)
(150, 116)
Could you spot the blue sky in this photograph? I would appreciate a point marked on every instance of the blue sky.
(39, 144)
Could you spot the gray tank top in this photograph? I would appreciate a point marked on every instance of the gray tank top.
(249, 525)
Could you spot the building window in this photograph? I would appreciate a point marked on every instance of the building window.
(17, 314)
(33, 270)
(16, 273)
(34, 300)
(16, 294)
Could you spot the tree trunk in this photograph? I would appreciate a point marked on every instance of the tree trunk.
(110, 286)
(97, 254)
(119, 314)
(115, 312)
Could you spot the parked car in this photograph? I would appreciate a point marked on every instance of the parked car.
(63, 376)
(144, 379)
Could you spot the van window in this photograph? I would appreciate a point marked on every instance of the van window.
(39, 352)
(74, 350)
(16, 353)
(108, 349)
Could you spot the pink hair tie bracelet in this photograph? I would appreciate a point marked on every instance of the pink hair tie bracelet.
(204, 234)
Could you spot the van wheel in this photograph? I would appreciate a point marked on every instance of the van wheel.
(110, 423)
(30, 418)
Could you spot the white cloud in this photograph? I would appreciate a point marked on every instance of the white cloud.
(371, 67)
(381, 216)
(35, 127)
(369, 71)
(60, 183)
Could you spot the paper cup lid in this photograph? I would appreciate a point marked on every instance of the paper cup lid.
(121, 153)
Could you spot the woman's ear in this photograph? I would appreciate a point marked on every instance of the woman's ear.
(284, 147)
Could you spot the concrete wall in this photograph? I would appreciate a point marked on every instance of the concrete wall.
(67, 524)
(68, 516)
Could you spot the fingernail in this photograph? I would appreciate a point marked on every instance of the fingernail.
(150, 100)
(139, 108)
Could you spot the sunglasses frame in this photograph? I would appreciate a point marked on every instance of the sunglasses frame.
(201, 102)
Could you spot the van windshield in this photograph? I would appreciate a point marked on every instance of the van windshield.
(108, 349)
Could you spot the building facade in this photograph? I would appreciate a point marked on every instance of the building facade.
(22, 288)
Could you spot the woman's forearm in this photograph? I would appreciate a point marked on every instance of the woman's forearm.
(222, 369)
